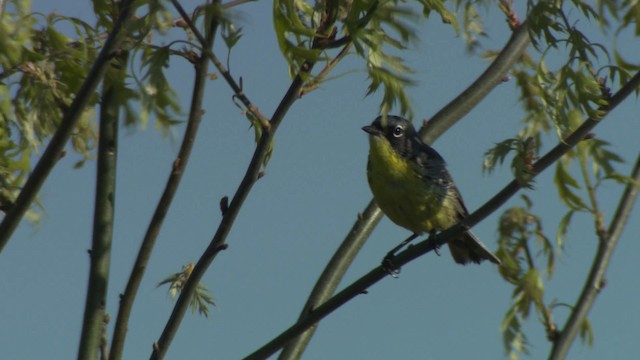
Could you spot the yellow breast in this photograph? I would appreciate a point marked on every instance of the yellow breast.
(408, 199)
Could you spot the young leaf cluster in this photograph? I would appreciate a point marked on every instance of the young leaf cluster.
(523, 246)
(41, 69)
(201, 299)
(377, 29)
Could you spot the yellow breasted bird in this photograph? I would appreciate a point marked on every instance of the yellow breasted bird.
(412, 186)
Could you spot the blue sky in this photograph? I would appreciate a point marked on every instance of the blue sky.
(298, 214)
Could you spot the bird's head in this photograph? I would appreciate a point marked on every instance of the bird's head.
(394, 130)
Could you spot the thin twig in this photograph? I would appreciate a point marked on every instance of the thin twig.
(177, 170)
(595, 280)
(317, 79)
(432, 243)
(237, 89)
(69, 120)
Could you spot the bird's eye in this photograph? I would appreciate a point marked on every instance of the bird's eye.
(398, 131)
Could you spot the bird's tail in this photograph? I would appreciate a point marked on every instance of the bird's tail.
(467, 248)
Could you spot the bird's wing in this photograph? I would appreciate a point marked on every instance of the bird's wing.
(432, 167)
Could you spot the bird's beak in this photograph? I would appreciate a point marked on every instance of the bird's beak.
(371, 130)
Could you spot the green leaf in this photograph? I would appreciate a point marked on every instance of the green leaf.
(563, 228)
(498, 153)
(438, 6)
(586, 332)
(564, 181)
(603, 159)
(231, 34)
(513, 338)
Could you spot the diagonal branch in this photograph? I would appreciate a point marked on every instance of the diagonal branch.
(359, 233)
(479, 89)
(69, 120)
(361, 285)
(178, 168)
(595, 280)
(218, 242)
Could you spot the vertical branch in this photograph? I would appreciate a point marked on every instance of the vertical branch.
(595, 280)
(100, 253)
(179, 165)
(69, 120)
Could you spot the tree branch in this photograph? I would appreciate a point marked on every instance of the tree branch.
(69, 120)
(595, 280)
(178, 168)
(361, 285)
(218, 241)
(359, 233)
(332, 275)
(100, 253)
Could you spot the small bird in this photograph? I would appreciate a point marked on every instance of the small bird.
(412, 186)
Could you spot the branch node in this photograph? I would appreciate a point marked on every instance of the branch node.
(224, 205)
(176, 165)
(220, 247)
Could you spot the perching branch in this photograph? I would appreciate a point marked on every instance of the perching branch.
(69, 120)
(595, 281)
(359, 233)
(100, 253)
(361, 285)
(177, 170)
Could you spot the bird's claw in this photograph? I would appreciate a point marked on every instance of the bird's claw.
(390, 267)
(436, 249)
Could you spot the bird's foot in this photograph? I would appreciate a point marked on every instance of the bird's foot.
(389, 266)
(436, 248)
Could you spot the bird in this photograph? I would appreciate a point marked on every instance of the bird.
(411, 185)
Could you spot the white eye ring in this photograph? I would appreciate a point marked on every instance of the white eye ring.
(398, 131)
